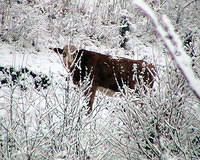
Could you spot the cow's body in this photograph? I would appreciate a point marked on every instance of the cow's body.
(105, 72)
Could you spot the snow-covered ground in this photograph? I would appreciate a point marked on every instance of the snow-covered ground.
(48, 63)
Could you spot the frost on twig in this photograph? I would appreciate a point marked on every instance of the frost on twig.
(173, 44)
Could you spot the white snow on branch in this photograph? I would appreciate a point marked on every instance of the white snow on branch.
(174, 45)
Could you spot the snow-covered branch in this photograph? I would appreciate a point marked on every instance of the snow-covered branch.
(174, 45)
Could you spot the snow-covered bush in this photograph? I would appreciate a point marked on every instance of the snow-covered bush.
(23, 78)
(38, 124)
(159, 125)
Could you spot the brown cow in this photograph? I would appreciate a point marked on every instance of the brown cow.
(104, 72)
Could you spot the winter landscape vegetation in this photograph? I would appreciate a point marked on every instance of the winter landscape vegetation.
(43, 115)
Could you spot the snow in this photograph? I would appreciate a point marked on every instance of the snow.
(174, 45)
(45, 62)
(47, 106)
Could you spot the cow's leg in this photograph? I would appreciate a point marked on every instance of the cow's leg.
(91, 96)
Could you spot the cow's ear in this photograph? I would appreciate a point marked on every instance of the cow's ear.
(57, 50)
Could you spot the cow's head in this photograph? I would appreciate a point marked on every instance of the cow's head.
(68, 53)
